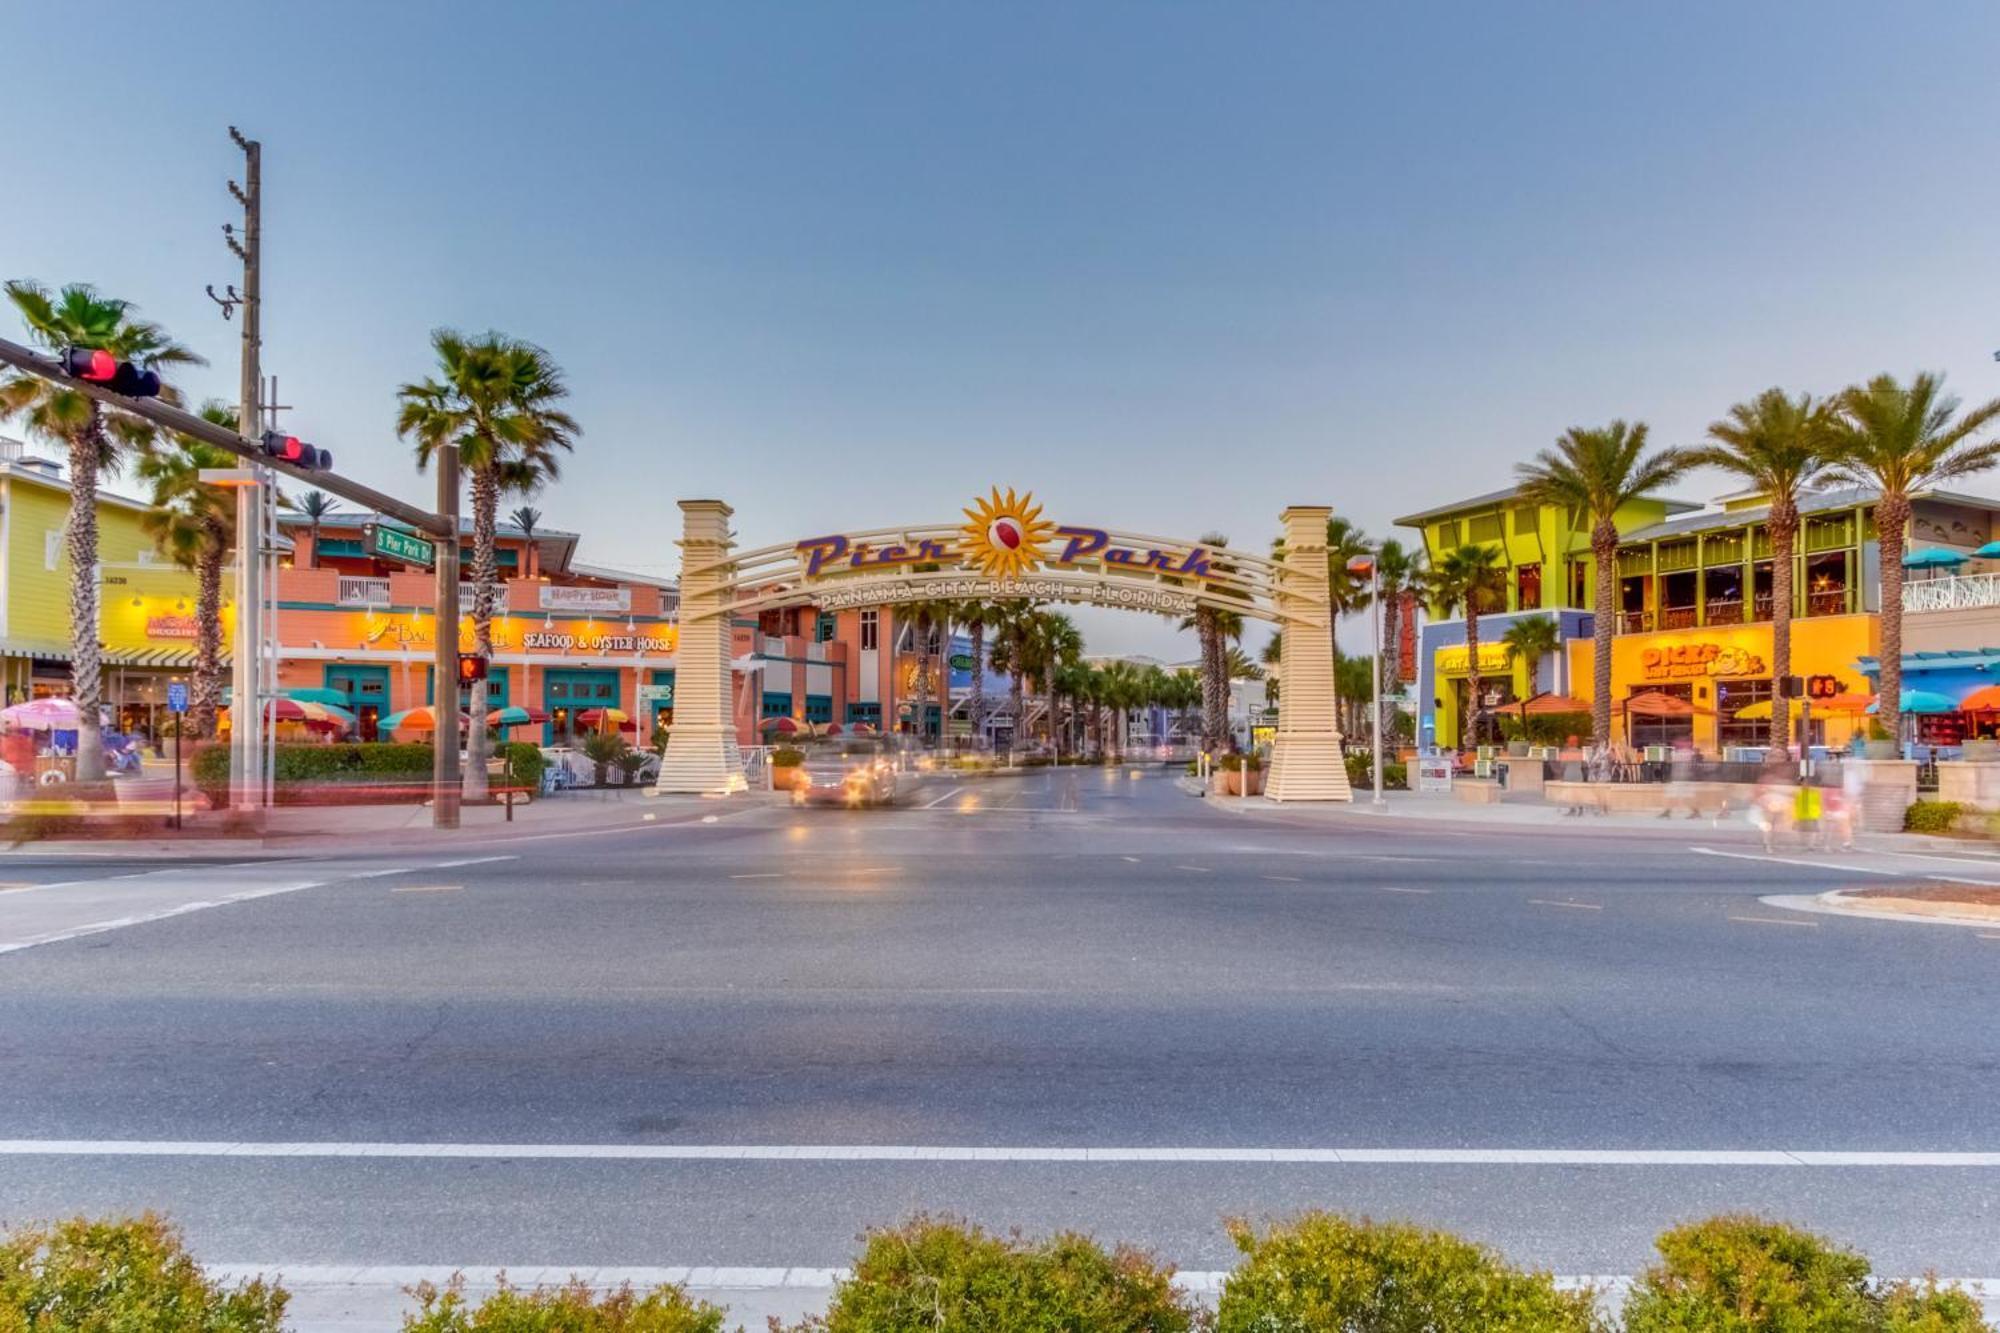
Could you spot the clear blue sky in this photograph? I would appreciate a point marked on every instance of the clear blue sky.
(1172, 266)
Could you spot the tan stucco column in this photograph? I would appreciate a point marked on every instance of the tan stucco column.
(701, 749)
(1306, 763)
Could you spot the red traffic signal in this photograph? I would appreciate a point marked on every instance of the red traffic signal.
(97, 366)
(471, 668)
(291, 449)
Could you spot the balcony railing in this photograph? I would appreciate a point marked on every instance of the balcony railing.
(1723, 612)
(358, 590)
(1633, 622)
(1677, 617)
(1833, 602)
(1961, 592)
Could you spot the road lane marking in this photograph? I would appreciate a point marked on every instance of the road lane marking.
(1133, 859)
(1206, 870)
(1774, 921)
(1391, 888)
(1789, 1158)
(1582, 907)
(942, 799)
(142, 918)
(762, 874)
(1835, 867)
(427, 888)
(1284, 879)
(472, 861)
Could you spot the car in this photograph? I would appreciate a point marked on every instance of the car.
(854, 773)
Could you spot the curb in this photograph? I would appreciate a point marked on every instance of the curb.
(1835, 902)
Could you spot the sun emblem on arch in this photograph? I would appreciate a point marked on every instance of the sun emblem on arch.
(1004, 534)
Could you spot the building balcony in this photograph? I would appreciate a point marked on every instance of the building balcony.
(1961, 592)
(360, 591)
(1677, 617)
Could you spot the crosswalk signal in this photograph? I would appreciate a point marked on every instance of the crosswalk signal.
(94, 365)
(291, 449)
(471, 668)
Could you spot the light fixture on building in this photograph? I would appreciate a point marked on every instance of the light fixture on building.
(180, 604)
(137, 602)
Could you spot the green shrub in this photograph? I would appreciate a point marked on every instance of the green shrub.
(1327, 1272)
(1749, 1275)
(1233, 763)
(786, 756)
(945, 1276)
(108, 1276)
(1932, 816)
(1543, 728)
(524, 764)
(1928, 1308)
(572, 1308)
(306, 765)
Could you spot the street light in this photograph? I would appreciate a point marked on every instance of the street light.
(1367, 565)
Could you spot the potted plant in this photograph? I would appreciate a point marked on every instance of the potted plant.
(787, 765)
(603, 749)
(1239, 771)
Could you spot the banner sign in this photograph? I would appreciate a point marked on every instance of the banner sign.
(1139, 597)
(556, 597)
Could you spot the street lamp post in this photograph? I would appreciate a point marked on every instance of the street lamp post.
(1367, 564)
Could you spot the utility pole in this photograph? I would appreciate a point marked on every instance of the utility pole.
(246, 716)
(445, 776)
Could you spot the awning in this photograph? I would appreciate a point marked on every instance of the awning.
(158, 659)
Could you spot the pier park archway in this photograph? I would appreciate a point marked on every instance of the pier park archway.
(1004, 548)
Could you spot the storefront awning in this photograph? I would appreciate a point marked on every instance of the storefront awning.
(157, 659)
(1954, 659)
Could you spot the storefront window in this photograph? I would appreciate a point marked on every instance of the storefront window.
(1528, 587)
(1677, 600)
(1826, 584)
(1722, 595)
(871, 630)
(1642, 730)
(1760, 609)
(1731, 698)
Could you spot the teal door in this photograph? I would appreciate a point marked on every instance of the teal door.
(368, 693)
(567, 693)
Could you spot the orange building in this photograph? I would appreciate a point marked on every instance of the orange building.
(567, 637)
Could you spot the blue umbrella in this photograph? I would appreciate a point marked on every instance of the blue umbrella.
(1990, 551)
(1932, 557)
(1923, 701)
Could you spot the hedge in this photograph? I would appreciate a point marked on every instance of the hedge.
(117, 1274)
(524, 763)
(936, 1275)
(350, 762)
(1319, 1271)
(1932, 816)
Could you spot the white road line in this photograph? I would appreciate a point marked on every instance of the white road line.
(1774, 921)
(1391, 888)
(1206, 870)
(723, 1277)
(140, 919)
(1284, 879)
(942, 799)
(1133, 859)
(1582, 907)
(472, 861)
(754, 1152)
(762, 874)
(1835, 867)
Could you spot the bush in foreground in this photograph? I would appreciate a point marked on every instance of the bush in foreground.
(944, 1276)
(110, 1276)
(571, 1308)
(1750, 1275)
(1321, 1271)
(1932, 816)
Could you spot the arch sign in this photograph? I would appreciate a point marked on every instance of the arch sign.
(1005, 548)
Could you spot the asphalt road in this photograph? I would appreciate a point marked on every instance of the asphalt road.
(1072, 959)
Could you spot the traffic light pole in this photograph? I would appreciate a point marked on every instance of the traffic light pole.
(444, 671)
(246, 728)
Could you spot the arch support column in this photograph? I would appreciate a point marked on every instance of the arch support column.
(1306, 763)
(702, 755)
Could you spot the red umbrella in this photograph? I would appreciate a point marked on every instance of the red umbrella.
(783, 725)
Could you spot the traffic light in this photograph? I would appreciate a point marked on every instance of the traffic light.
(1822, 687)
(471, 668)
(291, 449)
(98, 366)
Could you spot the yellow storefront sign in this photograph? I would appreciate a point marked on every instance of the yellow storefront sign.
(1457, 661)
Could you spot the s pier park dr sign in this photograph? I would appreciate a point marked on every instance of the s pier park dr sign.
(1005, 549)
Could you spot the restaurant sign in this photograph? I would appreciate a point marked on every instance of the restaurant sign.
(549, 641)
(1457, 659)
(172, 627)
(559, 597)
(1682, 661)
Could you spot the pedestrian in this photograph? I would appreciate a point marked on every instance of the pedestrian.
(1572, 771)
(1771, 804)
(1807, 805)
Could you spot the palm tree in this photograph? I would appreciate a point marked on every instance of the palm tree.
(193, 524)
(1348, 592)
(496, 398)
(1057, 644)
(1778, 445)
(976, 616)
(1596, 473)
(529, 520)
(1531, 639)
(1395, 568)
(1468, 576)
(93, 436)
(1214, 627)
(1123, 688)
(1902, 441)
(315, 505)
(927, 619)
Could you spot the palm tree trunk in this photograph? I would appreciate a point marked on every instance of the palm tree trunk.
(1783, 525)
(1214, 690)
(1475, 687)
(1604, 547)
(207, 691)
(920, 723)
(313, 560)
(80, 536)
(1892, 518)
(976, 704)
(444, 698)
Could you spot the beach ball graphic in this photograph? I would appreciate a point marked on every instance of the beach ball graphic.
(1005, 533)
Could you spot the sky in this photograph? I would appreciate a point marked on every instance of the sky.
(1170, 266)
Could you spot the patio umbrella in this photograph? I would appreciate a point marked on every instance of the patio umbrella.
(414, 719)
(1555, 703)
(1757, 712)
(51, 714)
(1985, 699)
(1932, 557)
(1990, 551)
(1922, 701)
(784, 726)
(861, 729)
(516, 716)
(1652, 703)
(597, 717)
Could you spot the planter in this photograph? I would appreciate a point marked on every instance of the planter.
(1231, 783)
(788, 778)
(1972, 784)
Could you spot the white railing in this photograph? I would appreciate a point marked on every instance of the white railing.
(357, 590)
(1960, 592)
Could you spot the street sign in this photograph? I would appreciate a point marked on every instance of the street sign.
(395, 544)
(177, 697)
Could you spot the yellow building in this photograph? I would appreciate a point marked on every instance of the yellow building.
(145, 604)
